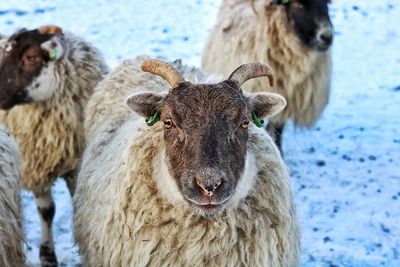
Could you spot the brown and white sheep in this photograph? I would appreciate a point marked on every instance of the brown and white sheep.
(11, 233)
(204, 187)
(291, 36)
(46, 79)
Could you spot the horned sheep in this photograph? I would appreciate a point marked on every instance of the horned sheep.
(46, 78)
(203, 188)
(11, 233)
(293, 37)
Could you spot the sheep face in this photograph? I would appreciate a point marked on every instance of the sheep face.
(205, 135)
(311, 22)
(26, 63)
(309, 19)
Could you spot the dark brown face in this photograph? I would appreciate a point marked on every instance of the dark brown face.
(22, 61)
(207, 163)
(311, 22)
(205, 132)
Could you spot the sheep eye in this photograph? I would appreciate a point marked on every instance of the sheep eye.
(245, 124)
(297, 5)
(168, 124)
(31, 58)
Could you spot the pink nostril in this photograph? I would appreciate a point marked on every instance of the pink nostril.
(209, 188)
(200, 184)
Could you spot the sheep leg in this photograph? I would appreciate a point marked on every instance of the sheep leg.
(70, 181)
(46, 208)
(275, 130)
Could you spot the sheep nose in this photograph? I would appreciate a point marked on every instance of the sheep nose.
(209, 186)
(325, 35)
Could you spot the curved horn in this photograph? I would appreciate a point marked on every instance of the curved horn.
(253, 7)
(164, 70)
(249, 71)
(50, 30)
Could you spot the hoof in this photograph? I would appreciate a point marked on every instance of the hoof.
(47, 256)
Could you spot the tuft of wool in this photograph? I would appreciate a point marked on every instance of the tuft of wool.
(11, 232)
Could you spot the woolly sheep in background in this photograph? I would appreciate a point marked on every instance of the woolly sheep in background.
(43, 106)
(292, 37)
(11, 233)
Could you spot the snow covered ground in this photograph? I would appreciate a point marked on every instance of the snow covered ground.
(346, 173)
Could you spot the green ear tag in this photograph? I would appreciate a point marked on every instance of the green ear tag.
(52, 55)
(257, 120)
(285, 1)
(154, 118)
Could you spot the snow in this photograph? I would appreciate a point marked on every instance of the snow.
(350, 207)
(346, 178)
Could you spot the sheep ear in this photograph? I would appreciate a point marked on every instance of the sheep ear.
(3, 43)
(146, 103)
(265, 105)
(55, 47)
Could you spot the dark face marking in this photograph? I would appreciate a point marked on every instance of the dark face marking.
(206, 139)
(22, 61)
(311, 22)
